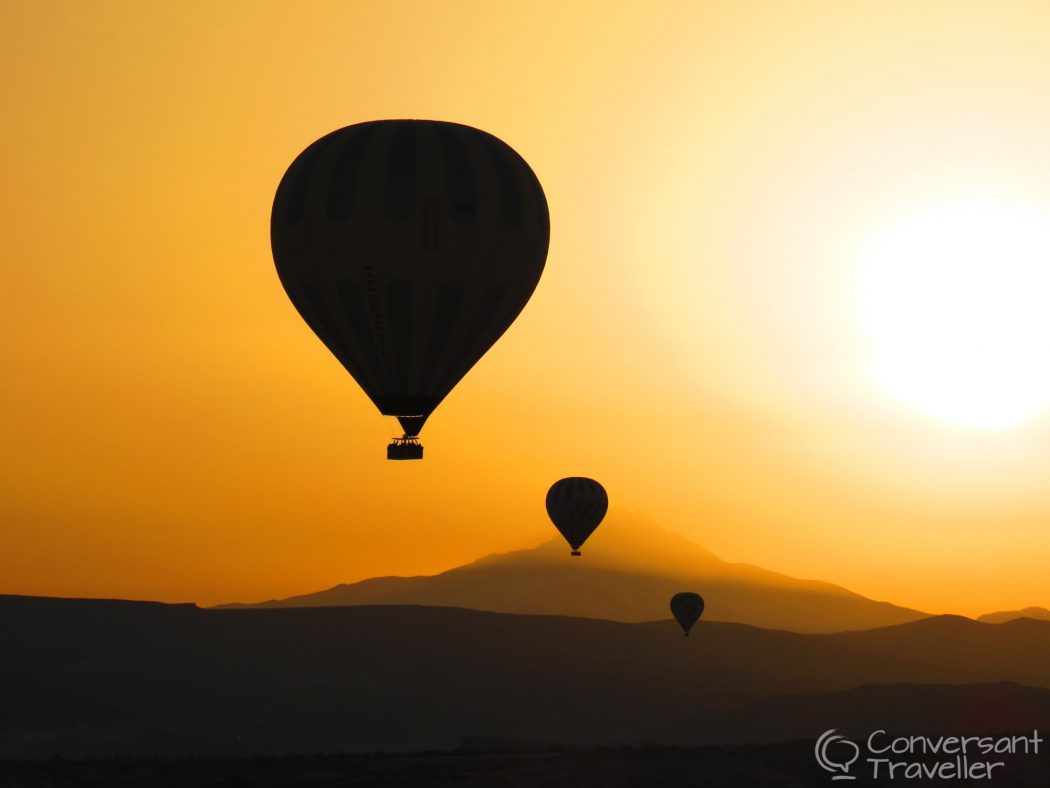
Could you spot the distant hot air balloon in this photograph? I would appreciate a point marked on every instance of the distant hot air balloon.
(687, 608)
(409, 247)
(576, 506)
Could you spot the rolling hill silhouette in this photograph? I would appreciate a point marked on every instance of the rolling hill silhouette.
(975, 709)
(629, 570)
(1001, 617)
(86, 677)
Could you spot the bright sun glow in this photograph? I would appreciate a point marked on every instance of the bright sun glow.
(956, 304)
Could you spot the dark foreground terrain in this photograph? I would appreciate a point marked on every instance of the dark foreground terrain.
(786, 764)
(88, 678)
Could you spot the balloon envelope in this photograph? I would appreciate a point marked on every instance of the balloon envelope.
(576, 506)
(409, 247)
(687, 608)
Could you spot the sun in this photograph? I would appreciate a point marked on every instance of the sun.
(955, 303)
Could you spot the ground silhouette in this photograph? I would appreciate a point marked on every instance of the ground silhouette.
(92, 678)
(783, 764)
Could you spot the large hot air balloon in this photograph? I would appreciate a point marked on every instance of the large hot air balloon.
(409, 247)
(687, 608)
(576, 506)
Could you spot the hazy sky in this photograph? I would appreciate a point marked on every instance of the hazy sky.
(718, 176)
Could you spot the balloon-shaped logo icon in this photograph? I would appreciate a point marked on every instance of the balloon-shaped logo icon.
(844, 754)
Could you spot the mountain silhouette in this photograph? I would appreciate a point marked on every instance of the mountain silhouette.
(89, 678)
(629, 570)
(1038, 613)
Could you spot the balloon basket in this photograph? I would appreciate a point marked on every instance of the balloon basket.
(575, 553)
(404, 449)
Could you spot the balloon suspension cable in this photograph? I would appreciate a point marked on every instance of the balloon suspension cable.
(407, 447)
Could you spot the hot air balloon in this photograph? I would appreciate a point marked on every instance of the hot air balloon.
(576, 506)
(409, 247)
(687, 608)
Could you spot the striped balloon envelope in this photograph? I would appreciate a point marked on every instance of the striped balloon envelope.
(576, 506)
(409, 247)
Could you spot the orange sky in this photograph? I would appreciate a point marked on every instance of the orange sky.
(172, 429)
